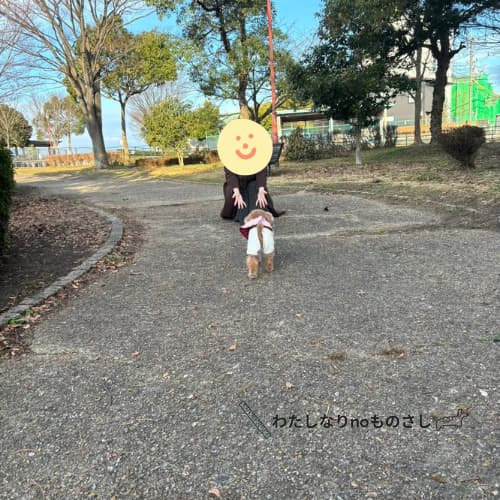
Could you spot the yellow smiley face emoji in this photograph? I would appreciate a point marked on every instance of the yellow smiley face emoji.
(244, 147)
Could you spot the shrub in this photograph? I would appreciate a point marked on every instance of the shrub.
(212, 156)
(299, 147)
(169, 161)
(463, 143)
(64, 160)
(6, 188)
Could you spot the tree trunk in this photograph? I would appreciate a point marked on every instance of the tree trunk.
(357, 135)
(180, 157)
(244, 112)
(438, 96)
(126, 152)
(91, 105)
(70, 147)
(418, 97)
(94, 128)
(242, 99)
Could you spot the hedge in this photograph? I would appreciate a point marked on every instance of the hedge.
(207, 157)
(6, 188)
(114, 158)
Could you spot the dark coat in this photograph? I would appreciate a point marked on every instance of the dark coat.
(249, 186)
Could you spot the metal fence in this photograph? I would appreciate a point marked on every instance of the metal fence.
(492, 134)
(341, 136)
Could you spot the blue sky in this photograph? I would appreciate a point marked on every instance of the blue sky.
(298, 18)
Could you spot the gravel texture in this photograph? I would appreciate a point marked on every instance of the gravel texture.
(135, 389)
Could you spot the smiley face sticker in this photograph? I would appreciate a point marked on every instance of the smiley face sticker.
(244, 147)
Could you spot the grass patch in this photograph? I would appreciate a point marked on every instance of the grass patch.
(197, 173)
(56, 170)
(420, 174)
(415, 172)
(194, 173)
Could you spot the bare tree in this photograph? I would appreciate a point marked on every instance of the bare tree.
(59, 116)
(13, 74)
(141, 104)
(68, 41)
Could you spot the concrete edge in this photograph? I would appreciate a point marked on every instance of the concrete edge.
(114, 237)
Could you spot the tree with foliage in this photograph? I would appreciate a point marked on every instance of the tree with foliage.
(439, 25)
(148, 59)
(15, 131)
(59, 117)
(69, 38)
(400, 29)
(170, 124)
(231, 53)
(348, 76)
(408, 26)
(204, 121)
(140, 104)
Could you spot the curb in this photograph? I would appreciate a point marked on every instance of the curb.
(114, 237)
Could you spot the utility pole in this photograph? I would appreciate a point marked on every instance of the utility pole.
(471, 63)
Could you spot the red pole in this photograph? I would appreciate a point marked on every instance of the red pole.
(271, 68)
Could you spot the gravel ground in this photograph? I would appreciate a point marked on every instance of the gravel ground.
(335, 377)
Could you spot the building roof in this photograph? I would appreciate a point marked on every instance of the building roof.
(293, 115)
(39, 144)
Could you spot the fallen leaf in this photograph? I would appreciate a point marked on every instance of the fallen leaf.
(317, 343)
(136, 353)
(232, 347)
(438, 478)
(337, 356)
(215, 492)
(298, 315)
(471, 480)
(288, 386)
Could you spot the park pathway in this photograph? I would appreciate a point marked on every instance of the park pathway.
(331, 378)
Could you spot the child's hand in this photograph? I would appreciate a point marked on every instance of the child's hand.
(238, 199)
(261, 198)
